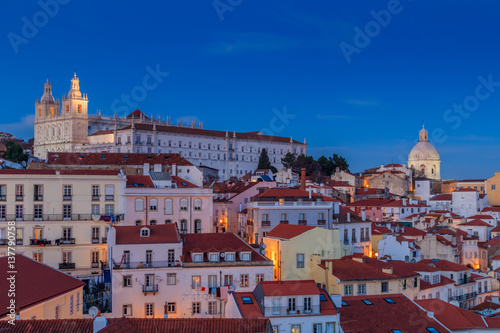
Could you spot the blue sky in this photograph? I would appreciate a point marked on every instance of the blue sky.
(230, 63)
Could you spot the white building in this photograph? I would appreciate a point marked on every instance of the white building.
(467, 202)
(398, 248)
(292, 306)
(424, 157)
(68, 128)
(157, 273)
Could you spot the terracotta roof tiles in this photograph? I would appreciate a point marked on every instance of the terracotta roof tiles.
(288, 231)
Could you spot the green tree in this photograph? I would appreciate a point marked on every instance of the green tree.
(326, 165)
(339, 162)
(14, 152)
(264, 162)
(289, 160)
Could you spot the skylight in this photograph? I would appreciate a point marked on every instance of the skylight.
(432, 330)
(390, 301)
(247, 300)
(367, 302)
(344, 303)
(396, 331)
(322, 297)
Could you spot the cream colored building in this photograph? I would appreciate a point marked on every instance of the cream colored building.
(424, 158)
(291, 247)
(62, 216)
(493, 189)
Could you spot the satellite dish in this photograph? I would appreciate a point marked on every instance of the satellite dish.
(263, 245)
(263, 251)
(93, 312)
(222, 254)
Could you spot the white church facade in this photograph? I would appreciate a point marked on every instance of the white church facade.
(424, 158)
(67, 127)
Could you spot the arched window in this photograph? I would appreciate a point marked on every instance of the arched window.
(40, 111)
(197, 226)
(67, 107)
(168, 221)
(197, 204)
(152, 222)
(184, 204)
(52, 111)
(138, 222)
(168, 207)
(139, 205)
(153, 204)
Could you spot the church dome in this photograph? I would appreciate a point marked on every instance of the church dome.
(423, 150)
(47, 93)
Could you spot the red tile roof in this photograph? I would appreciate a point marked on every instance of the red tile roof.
(380, 230)
(337, 183)
(369, 203)
(289, 288)
(400, 203)
(397, 165)
(445, 265)
(424, 285)
(142, 181)
(481, 217)
(74, 172)
(369, 191)
(399, 268)
(453, 317)
(445, 212)
(492, 242)
(464, 189)
(159, 234)
(34, 283)
(141, 325)
(403, 315)
(182, 183)
(105, 159)
(491, 209)
(252, 136)
(293, 193)
(288, 231)
(411, 231)
(346, 269)
(476, 223)
(213, 242)
(441, 197)
(248, 310)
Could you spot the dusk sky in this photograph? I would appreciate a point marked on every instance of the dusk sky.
(356, 78)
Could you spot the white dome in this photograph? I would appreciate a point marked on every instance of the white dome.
(423, 151)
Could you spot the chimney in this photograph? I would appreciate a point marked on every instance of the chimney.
(404, 202)
(174, 169)
(310, 192)
(303, 179)
(363, 215)
(99, 323)
(348, 217)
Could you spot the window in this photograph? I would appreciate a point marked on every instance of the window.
(435, 278)
(3, 192)
(307, 304)
(152, 222)
(228, 280)
(348, 290)
(138, 222)
(283, 217)
(385, 287)
(196, 307)
(229, 257)
(67, 191)
(214, 257)
(367, 302)
(296, 328)
(389, 300)
(95, 209)
(259, 277)
(37, 192)
(183, 226)
(362, 289)
(139, 205)
(245, 256)
(493, 187)
(212, 281)
(212, 308)
(3, 211)
(197, 257)
(66, 235)
(197, 204)
(330, 328)
(244, 280)
(95, 192)
(95, 259)
(66, 212)
(415, 282)
(127, 309)
(317, 328)
(171, 257)
(149, 257)
(195, 281)
(19, 212)
(149, 309)
(171, 278)
(37, 256)
(57, 312)
(78, 302)
(291, 304)
(321, 216)
(19, 236)
(153, 205)
(171, 307)
(276, 306)
(109, 210)
(197, 226)
(184, 204)
(302, 216)
(37, 212)
(168, 207)
(300, 260)
(127, 281)
(19, 192)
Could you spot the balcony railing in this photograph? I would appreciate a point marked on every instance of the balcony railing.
(110, 197)
(95, 240)
(40, 242)
(462, 297)
(142, 264)
(346, 240)
(286, 311)
(364, 239)
(465, 280)
(284, 222)
(67, 265)
(95, 265)
(302, 222)
(19, 241)
(19, 197)
(321, 222)
(67, 197)
(38, 197)
(95, 197)
(65, 241)
(354, 240)
(3, 197)
(46, 217)
(150, 289)
(266, 223)
(4, 241)
(104, 240)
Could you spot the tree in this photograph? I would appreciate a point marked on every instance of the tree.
(289, 160)
(264, 162)
(339, 162)
(14, 152)
(326, 165)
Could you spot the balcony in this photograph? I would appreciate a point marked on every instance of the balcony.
(354, 240)
(286, 311)
(141, 264)
(150, 289)
(19, 241)
(4, 242)
(40, 242)
(47, 217)
(110, 197)
(321, 222)
(67, 197)
(65, 241)
(104, 240)
(95, 265)
(465, 280)
(284, 221)
(67, 265)
(302, 222)
(95, 197)
(3, 197)
(95, 240)
(19, 197)
(364, 239)
(266, 223)
(463, 297)
(38, 197)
